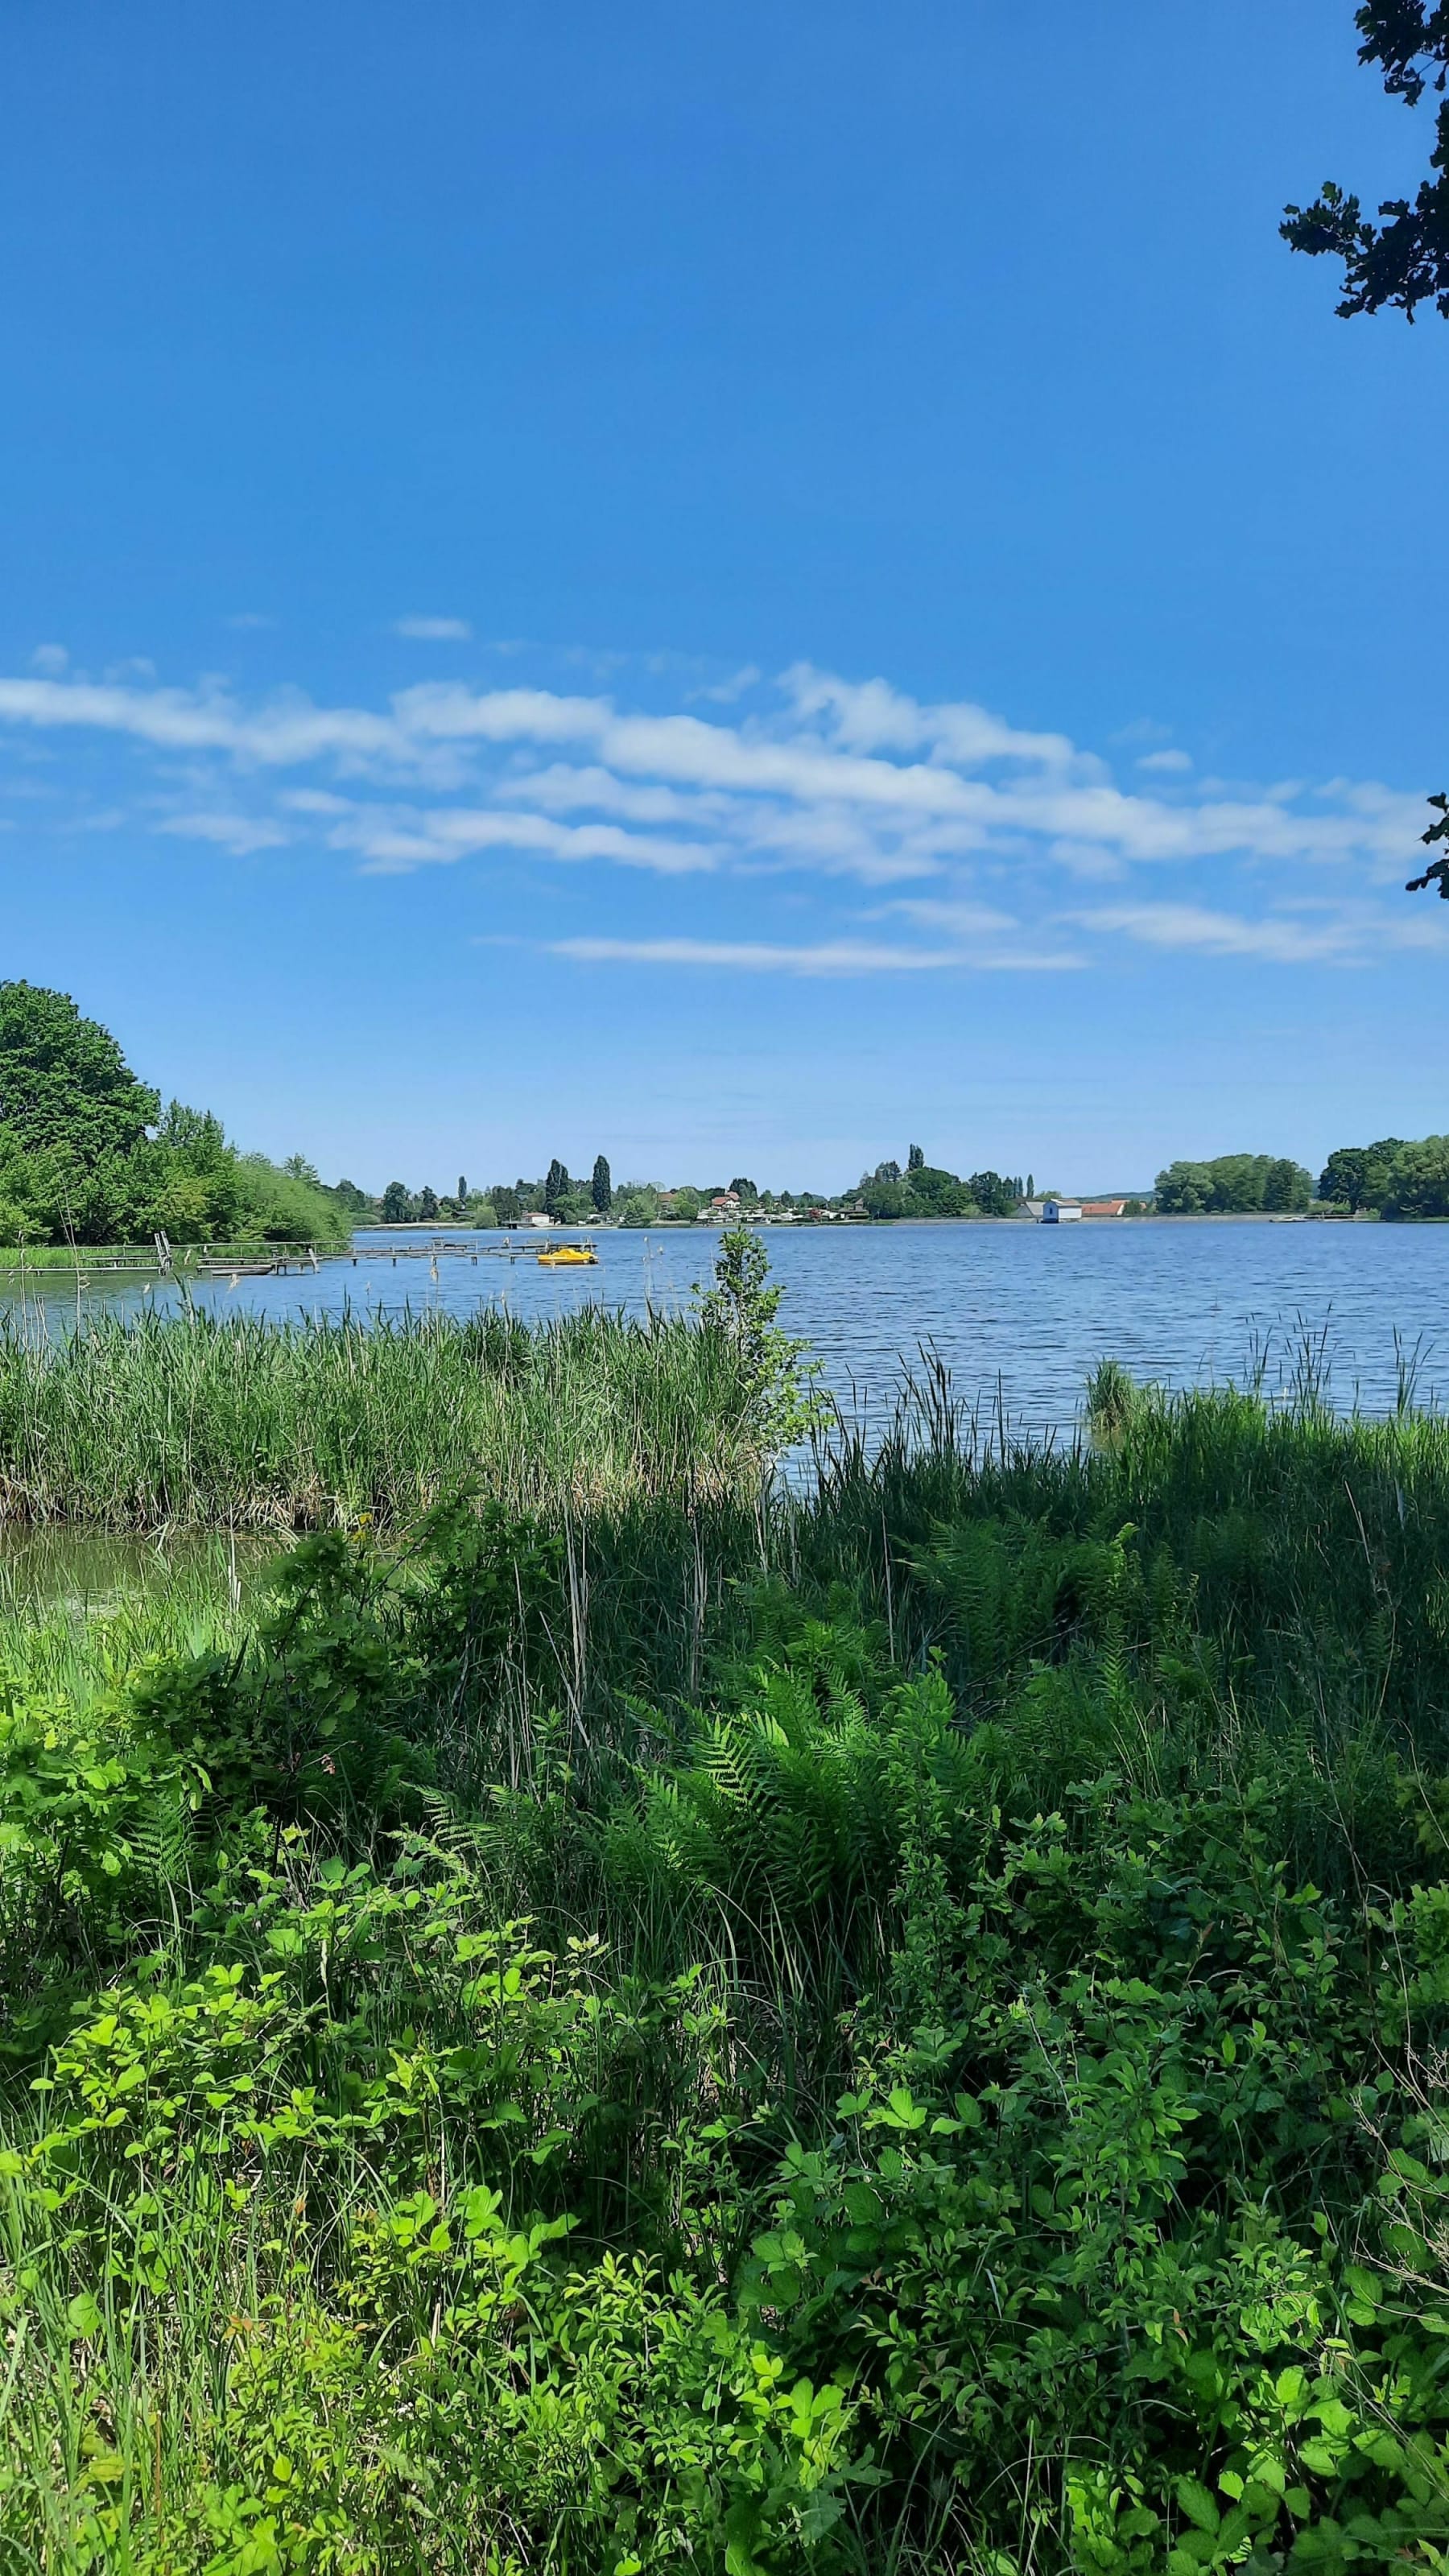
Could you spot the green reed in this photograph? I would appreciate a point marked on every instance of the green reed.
(195, 1420)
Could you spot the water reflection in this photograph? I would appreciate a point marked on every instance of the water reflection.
(88, 1573)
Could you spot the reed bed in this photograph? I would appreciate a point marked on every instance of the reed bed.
(200, 1421)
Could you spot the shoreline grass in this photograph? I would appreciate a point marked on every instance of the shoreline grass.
(239, 1422)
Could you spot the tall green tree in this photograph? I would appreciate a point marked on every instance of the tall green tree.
(1287, 1188)
(993, 1195)
(915, 1158)
(397, 1207)
(555, 1186)
(602, 1186)
(64, 1083)
(1403, 260)
(1358, 1176)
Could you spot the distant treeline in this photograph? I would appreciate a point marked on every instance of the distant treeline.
(1235, 1185)
(88, 1155)
(1392, 1179)
(557, 1194)
(922, 1189)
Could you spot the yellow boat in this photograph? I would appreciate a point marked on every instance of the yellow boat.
(568, 1256)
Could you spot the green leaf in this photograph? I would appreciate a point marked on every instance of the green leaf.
(1193, 2500)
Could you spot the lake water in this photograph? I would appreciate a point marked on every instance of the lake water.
(1025, 1309)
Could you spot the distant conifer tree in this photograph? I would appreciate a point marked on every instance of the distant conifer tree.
(602, 1186)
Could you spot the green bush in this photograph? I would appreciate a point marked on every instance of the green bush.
(905, 2029)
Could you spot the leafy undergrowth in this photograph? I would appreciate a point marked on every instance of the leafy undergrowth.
(909, 2034)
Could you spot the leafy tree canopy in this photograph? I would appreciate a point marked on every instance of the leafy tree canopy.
(64, 1083)
(1357, 1176)
(1404, 259)
(1234, 1185)
(994, 1195)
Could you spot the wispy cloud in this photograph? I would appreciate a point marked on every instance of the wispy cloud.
(434, 630)
(239, 833)
(824, 957)
(1311, 936)
(979, 831)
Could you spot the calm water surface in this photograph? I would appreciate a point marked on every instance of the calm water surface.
(1025, 1309)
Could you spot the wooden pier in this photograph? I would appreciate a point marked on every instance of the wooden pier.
(227, 1261)
(163, 1260)
(445, 1248)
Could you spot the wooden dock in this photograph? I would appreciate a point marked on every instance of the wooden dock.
(224, 1261)
(163, 1260)
(444, 1248)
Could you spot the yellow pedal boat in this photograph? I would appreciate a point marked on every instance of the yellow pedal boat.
(568, 1256)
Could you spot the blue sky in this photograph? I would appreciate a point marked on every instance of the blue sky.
(735, 586)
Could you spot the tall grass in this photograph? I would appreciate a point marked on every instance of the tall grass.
(197, 1420)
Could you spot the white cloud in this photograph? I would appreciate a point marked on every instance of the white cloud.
(962, 920)
(823, 783)
(238, 833)
(52, 659)
(1221, 934)
(725, 692)
(393, 840)
(434, 630)
(825, 957)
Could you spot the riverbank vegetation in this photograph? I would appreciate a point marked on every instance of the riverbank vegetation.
(1391, 1179)
(88, 1156)
(891, 2025)
(1234, 1185)
(198, 1420)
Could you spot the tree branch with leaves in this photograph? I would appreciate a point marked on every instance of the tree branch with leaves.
(1403, 260)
